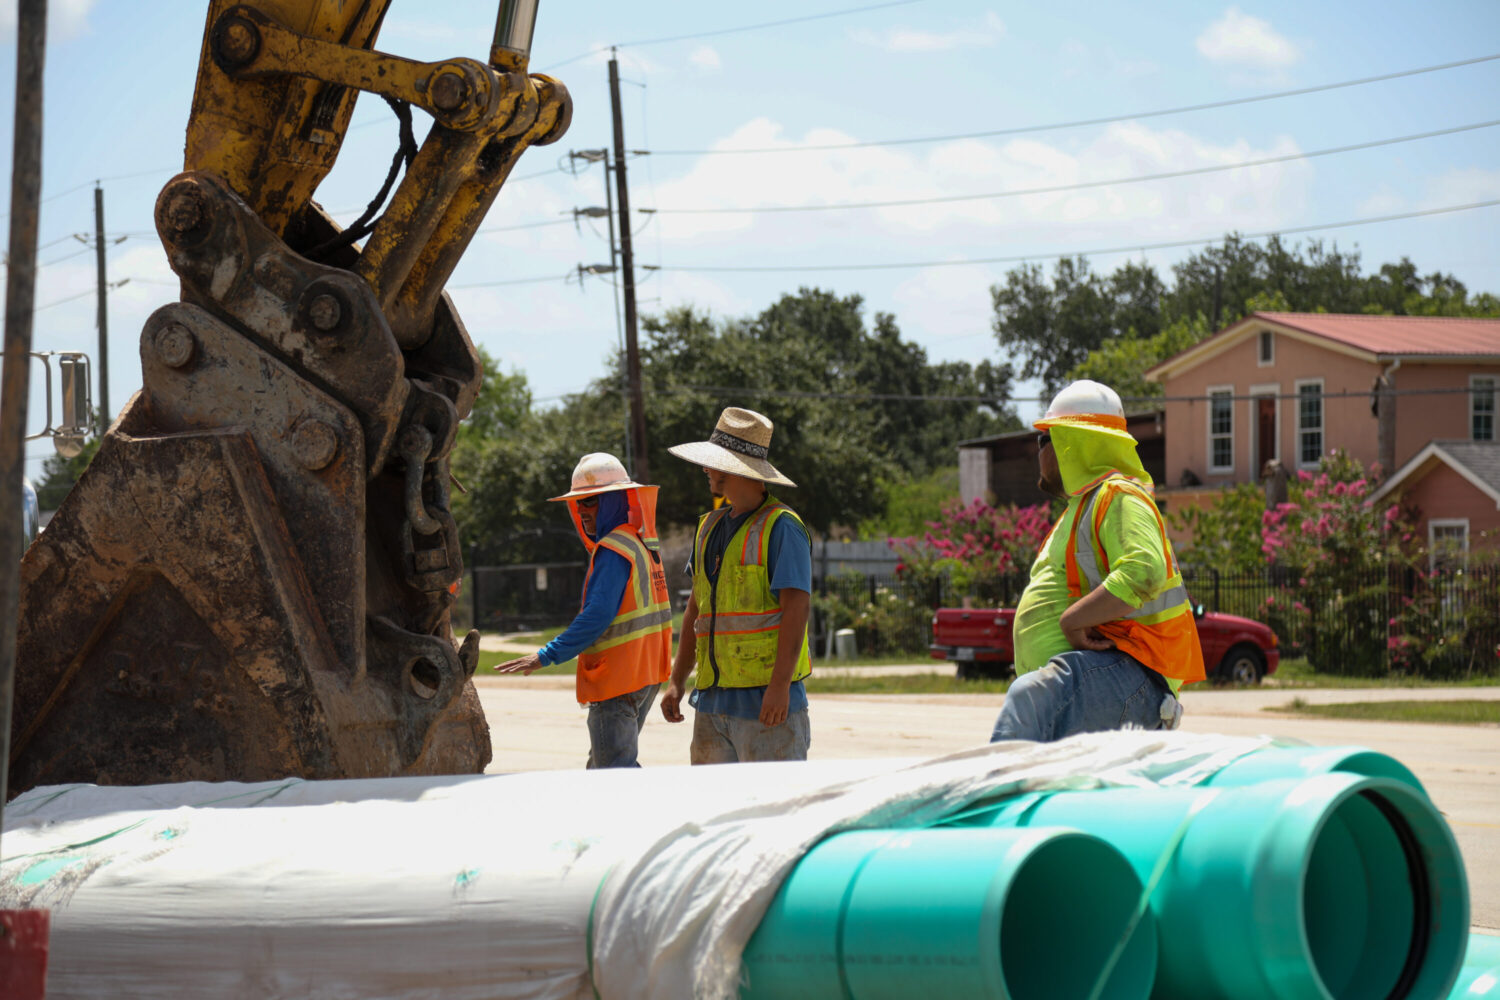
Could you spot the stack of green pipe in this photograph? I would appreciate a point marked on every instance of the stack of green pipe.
(988, 914)
(1335, 886)
(1480, 975)
(1304, 762)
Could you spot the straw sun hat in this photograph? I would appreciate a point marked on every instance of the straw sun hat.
(739, 445)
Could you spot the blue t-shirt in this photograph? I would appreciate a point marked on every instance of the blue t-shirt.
(789, 565)
(606, 588)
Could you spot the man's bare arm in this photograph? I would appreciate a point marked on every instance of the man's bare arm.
(1079, 623)
(795, 606)
(682, 664)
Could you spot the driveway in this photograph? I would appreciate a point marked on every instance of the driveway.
(535, 724)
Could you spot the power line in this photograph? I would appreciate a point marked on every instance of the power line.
(70, 298)
(730, 31)
(515, 281)
(525, 225)
(901, 397)
(1057, 188)
(1131, 248)
(1079, 123)
(101, 180)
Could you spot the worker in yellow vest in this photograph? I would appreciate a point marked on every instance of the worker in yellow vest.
(622, 635)
(1104, 633)
(745, 627)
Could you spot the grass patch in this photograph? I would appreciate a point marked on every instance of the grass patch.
(902, 684)
(1297, 673)
(1462, 712)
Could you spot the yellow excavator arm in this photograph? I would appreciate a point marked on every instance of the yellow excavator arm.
(254, 576)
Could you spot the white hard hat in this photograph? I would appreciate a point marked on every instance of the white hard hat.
(1088, 405)
(599, 472)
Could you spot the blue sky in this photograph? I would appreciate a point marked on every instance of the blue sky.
(120, 77)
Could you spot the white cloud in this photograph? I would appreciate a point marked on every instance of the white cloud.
(1078, 59)
(981, 34)
(65, 19)
(1251, 198)
(1461, 187)
(706, 58)
(1246, 42)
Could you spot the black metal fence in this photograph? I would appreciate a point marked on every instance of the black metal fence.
(527, 596)
(1442, 623)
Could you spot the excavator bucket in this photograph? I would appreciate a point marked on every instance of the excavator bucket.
(254, 577)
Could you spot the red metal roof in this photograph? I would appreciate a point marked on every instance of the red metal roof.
(1397, 334)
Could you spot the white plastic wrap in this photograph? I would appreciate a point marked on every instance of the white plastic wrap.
(485, 887)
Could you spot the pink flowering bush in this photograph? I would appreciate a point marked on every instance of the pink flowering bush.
(1336, 556)
(986, 552)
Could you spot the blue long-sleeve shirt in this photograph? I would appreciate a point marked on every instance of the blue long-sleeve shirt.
(605, 590)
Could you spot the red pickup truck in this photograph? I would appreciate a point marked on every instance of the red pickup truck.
(1235, 650)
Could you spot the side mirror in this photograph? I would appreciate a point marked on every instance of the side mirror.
(77, 402)
(77, 411)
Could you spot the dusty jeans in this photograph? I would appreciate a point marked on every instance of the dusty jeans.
(1082, 691)
(726, 739)
(615, 727)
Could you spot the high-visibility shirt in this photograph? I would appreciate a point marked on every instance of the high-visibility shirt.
(739, 618)
(1116, 517)
(636, 649)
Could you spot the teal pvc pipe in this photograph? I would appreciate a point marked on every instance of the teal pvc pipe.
(1333, 887)
(1028, 914)
(1305, 762)
(1480, 975)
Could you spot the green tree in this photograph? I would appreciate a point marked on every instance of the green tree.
(1121, 364)
(1052, 326)
(59, 473)
(853, 406)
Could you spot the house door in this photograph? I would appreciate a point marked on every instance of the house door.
(1265, 432)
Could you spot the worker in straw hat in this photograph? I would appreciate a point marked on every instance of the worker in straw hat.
(623, 633)
(745, 627)
(1104, 633)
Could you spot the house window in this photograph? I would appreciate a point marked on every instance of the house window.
(1221, 429)
(1447, 542)
(1482, 407)
(1267, 348)
(1309, 422)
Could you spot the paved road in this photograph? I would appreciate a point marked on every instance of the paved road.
(536, 725)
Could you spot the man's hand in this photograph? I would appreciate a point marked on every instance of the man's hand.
(522, 665)
(1086, 637)
(773, 704)
(1080, 622)
(671, 702)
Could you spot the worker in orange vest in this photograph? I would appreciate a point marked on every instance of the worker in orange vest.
(622, 635)
(1104, 633)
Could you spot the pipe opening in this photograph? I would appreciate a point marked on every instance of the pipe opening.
(1074, 896)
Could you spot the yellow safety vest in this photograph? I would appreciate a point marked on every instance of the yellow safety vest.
(739, 619)
(1160, 633)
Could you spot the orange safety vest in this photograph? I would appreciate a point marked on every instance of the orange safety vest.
(1161, 633)
(636, 649)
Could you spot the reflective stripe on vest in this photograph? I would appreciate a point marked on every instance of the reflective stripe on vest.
(636, 649)
(1161, 633)
(736, 643)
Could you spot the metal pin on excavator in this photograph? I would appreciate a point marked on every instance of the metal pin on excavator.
(254, 576)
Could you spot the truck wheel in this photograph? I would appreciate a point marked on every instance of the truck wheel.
(1241, 665)
(967, 670)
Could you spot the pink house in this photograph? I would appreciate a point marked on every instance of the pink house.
(1415, 395)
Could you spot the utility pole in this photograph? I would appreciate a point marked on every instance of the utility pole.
(642, 470)
(15, 382)
(105, 412)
